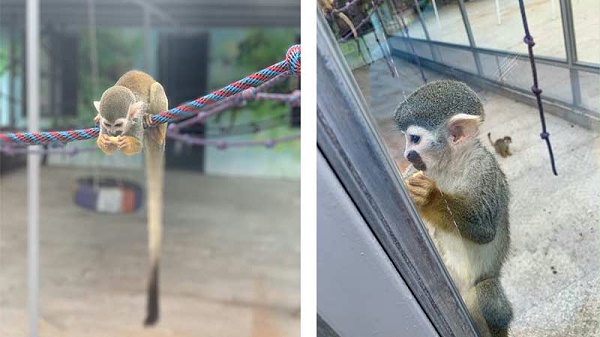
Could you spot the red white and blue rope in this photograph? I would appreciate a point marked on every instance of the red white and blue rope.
(291, 66)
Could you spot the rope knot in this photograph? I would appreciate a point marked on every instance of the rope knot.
(545, 135)
(528, 39)
(221, 145)
(247, 95)
(292, 59)
(536, 90)
(173, 127)
(269, 143)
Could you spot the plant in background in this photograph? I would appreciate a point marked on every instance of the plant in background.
(259, 49)
(117, 51)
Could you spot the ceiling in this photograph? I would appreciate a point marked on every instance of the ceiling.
(162, 13)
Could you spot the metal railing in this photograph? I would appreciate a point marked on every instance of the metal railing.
(476, 64)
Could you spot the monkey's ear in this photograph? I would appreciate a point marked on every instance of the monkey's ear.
(463, 126)
(135, 109)
(97, 105)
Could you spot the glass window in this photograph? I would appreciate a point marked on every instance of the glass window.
(535, 268)
(585, 20)
(442, 19)
(497, 24)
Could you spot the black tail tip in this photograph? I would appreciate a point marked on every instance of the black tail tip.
(152, 309)
(152, 316)
(151, 319)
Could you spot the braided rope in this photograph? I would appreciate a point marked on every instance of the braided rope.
(222, 145)
(291, 66)
(227, 103)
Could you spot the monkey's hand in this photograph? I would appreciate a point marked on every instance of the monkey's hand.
(450, 212)
(105, 144)
(147, 120)
(129, 145)
(422, 190)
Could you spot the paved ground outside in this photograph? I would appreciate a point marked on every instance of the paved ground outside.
(551, 276)
(544, 20)
(231, 262)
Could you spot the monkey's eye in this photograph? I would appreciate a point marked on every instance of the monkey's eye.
(106, 124)
(415, 139)
(119, 124)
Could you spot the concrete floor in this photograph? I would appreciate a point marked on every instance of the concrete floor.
(231, 262)
(551, 276)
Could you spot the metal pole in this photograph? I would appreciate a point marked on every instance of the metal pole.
(33, 163)
(434, 51)
(437, 15)
(566, 12)
(498, 14)
(93, 45)
(463, 13)
(147, 51)
(12, 119)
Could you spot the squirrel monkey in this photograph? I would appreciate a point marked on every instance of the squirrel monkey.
(501, 145)
(461, 194)
(123, 111)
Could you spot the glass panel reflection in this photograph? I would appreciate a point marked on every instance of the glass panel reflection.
(497, 24)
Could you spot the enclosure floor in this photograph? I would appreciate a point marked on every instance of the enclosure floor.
(231, 262)
(551, 276)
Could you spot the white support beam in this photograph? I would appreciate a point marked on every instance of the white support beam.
(33, 163)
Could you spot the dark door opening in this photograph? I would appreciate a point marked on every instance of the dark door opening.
(183, 64)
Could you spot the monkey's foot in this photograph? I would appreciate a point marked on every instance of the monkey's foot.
(105, 144)
(129, 145)
(147, 120)
(421, 189)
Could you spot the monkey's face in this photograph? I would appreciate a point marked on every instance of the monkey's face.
(118, 110)
(421, 147)
(117, 127)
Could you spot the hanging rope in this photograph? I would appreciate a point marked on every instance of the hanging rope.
(291, 66)
(528, 39)
(362, 22)
(11, 151)
(222, 145)
(227, 103)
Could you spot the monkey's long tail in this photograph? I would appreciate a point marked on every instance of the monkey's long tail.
(490, 138)
(155, 161)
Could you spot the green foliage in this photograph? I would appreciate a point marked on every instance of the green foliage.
(3, 62)
(258, 49)
(263, 47)
(256, 112)
(5, 40)
(117, 51)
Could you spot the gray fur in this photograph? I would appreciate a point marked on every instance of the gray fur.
(470, 177)
(435, 102)
(114, 104)
(494, 305)
(480, 181)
